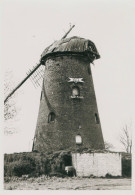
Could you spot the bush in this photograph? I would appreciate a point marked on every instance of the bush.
(22, 168)
(126, 167)
(36, 164)
(23, 164)
(18, 168)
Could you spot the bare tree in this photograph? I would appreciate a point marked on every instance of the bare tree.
(125, 139)
(9, 106)
(108, 145)
(10, 110)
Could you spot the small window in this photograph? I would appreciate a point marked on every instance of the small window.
(89, 70)
(51, 117)
(41, 96)
(78, 139)
(75, 91)
(96, 118)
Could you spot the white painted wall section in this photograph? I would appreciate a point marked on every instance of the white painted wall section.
(97, 164)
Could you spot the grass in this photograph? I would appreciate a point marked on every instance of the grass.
(68, 183)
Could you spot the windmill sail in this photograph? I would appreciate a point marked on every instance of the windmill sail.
(20, 84)
(36, 79)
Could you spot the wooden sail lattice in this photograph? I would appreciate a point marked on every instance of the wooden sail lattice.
(37, 77)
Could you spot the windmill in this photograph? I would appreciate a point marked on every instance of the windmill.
(68, 114)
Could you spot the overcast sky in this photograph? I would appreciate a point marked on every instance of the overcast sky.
(29, 26)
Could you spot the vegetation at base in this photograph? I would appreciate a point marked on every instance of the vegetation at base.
(35, 164)
(126, 165)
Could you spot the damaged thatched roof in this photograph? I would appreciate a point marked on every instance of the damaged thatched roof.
(72, 45)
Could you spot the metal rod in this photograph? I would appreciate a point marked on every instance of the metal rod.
(68, 32)
(19, 85)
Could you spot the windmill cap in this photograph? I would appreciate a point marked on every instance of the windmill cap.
(72, 45)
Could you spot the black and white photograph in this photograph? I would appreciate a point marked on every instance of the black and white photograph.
(68, 95)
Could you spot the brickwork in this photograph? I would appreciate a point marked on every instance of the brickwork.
(97, 164)
(72, 116)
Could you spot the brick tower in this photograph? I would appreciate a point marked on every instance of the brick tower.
(68, 115)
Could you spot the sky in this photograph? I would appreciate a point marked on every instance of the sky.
(29, 26)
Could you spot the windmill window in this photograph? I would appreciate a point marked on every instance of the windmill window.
(78, 139)
(96, 118)
(75, 91)
(89, 71)
(51, 117)
(41, 96)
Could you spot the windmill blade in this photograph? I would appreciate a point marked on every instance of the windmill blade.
(32, 71)
(20, 84)
(37, 77)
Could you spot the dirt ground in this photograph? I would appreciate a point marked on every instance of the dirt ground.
(74, 183)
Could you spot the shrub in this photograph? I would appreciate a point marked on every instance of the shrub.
(126, 167)
(22, 168)
(36, 164)
(18, 168)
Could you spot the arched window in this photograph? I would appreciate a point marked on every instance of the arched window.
(96, 118)
(51, 117)
(78, 139)
(75, 91)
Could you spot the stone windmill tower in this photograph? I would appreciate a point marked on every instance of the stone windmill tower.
(68, 114)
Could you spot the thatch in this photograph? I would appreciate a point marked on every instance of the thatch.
(72, 45)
